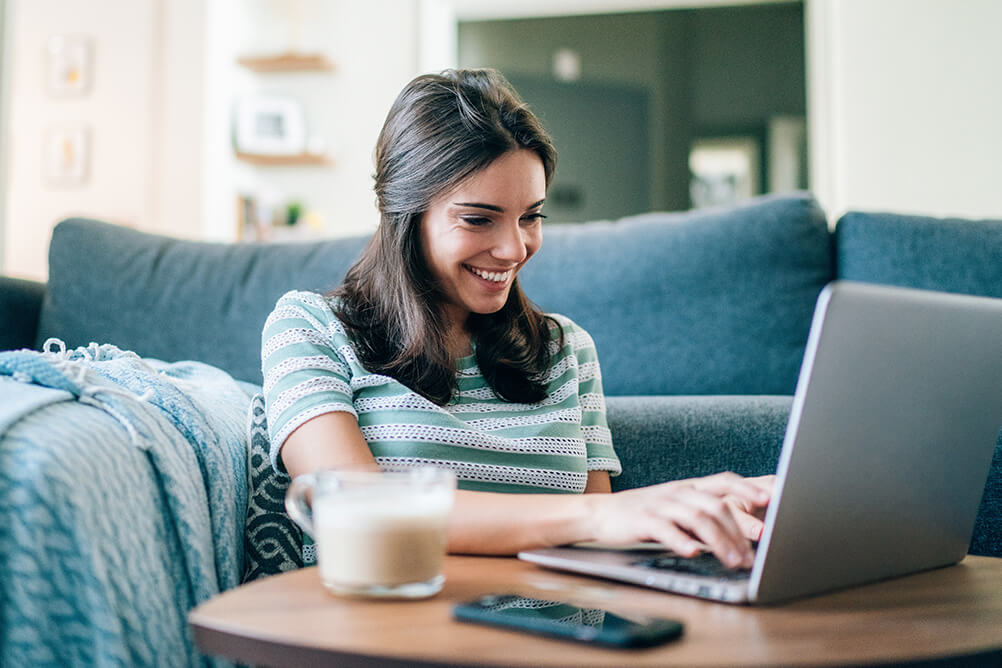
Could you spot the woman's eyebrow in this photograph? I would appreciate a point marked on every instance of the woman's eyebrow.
(475, 205)
(493, 207)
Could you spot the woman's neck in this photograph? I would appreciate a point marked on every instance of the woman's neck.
(458, 340)
(460, 344)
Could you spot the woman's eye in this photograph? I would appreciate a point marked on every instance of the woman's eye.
(534, 217)
(476, 220)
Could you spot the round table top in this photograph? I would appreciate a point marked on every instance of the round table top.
(291, 619)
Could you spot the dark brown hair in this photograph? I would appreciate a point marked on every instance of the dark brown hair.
(442, 129)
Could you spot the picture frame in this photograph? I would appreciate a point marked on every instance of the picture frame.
(66, 156)
(725, 169)
(265, 125)
(69, 65)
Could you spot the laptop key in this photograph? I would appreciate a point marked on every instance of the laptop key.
(703, 564)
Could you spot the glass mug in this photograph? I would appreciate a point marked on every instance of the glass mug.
(377, 533)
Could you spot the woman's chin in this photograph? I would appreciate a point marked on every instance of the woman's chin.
(488, 307)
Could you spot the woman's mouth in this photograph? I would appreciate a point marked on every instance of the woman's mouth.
(496, 277)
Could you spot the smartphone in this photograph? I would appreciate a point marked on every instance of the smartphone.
(564, 620)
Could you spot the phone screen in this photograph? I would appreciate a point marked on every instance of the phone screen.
(562, 619)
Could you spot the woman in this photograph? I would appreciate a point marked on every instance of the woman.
(430, 353)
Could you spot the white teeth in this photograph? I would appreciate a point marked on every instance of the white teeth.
(494, 276)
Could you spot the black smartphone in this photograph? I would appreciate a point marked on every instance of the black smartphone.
(564, 620)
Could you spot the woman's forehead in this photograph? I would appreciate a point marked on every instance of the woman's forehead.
(516, 179)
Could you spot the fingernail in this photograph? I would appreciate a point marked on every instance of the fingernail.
(734, 559)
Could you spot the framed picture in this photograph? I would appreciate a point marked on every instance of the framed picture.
(269, 126)
(724, 169)
(66, 156)
(69, 65)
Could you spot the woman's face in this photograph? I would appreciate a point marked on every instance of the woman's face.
(477, 237)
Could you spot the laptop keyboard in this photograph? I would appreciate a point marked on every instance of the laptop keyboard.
(702, 564)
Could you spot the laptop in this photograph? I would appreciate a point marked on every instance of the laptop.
(894, 422)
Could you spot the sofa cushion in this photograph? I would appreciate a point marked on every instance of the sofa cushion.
(273, 543)
(706, 302)
(177, 300)
(921, 252)
(672, 438)
(987, 539)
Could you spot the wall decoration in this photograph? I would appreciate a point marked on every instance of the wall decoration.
(69, 65)
(725, 170)
(66, 157)
(269, 126)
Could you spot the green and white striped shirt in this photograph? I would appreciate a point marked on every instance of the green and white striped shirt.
(311, 368)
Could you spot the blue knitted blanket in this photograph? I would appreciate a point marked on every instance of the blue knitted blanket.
(123, 491)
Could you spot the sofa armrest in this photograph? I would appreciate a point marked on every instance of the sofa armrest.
(661, 438)
(987, 539)
(20, 305)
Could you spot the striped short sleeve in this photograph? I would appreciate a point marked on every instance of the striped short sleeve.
(303, 362)
(594, 428)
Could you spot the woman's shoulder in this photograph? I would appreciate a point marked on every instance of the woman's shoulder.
(314, 303)
(304, 298)
(575, 336)
(302, 308)
(561, 323)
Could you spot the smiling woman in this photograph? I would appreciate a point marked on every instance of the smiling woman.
(429, 352)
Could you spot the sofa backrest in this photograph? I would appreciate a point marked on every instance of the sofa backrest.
(950, 255)
(177, 300)
(710, 302)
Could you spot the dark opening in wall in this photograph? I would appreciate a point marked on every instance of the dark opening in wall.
(659, 110)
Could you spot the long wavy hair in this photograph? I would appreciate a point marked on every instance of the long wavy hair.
(442, 129)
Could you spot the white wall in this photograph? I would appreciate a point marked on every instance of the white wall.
(164, 80)
(905, 108)
(117, 112)
(493, 9)
(5, 51)
(177, 169)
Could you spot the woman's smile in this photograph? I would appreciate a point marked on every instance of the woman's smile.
(493, 280)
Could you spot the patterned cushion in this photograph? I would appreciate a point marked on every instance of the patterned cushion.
(273, 543)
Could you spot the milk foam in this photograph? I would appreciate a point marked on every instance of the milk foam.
(368, 539)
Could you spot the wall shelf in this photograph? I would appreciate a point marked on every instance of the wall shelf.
(296, 160)
(287, 62)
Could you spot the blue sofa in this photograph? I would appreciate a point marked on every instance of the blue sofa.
(700, 320)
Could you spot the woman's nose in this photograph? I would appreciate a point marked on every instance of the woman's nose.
(510, 244)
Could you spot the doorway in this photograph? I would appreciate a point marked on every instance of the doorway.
(630, 97)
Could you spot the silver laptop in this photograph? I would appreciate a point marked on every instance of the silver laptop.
(894, 422)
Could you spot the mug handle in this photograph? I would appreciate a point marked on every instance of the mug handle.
(296, 503)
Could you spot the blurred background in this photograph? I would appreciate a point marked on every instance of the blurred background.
(255, 120)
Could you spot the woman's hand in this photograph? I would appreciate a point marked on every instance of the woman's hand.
(720, 513)
(749, 516)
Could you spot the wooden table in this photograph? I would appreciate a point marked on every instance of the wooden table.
(291, 620)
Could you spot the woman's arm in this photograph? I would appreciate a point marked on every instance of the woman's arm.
(686, 516)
